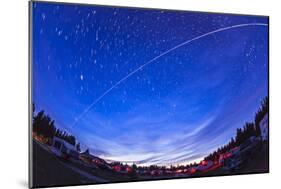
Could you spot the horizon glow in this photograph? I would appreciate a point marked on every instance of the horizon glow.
(177, 109)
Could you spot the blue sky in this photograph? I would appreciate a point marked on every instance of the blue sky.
(177, 109)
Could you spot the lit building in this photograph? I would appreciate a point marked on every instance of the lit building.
(264, 128)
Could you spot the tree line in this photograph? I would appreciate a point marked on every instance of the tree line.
(43, 125)
(242, 134)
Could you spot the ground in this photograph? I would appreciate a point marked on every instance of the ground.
(48, 170)
(258, 163)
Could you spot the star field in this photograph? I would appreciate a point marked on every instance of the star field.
(176, 109)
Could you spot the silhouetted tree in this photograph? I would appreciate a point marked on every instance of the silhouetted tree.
(248, 130)
(33, 111)
(45, 126)
(133, 173)
(87, 151)
(78, 148)
(263, 110)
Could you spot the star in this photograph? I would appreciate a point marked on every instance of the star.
(43, 15)
(118, 70)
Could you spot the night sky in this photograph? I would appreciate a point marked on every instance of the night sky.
(88, 75)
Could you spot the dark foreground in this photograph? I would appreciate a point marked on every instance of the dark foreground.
(258, 163)
(48, 170)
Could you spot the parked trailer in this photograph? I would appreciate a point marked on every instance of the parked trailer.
(63, 149)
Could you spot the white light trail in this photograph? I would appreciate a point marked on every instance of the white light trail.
(159, 56)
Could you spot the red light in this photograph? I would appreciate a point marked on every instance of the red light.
(192, 170)
(204, 163)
